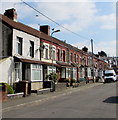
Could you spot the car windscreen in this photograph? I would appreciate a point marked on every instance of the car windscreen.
(108, 74)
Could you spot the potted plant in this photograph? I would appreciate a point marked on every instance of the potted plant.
(53, 77)
(72, 81)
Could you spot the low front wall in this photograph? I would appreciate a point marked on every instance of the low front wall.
(82, 79)
(60, 86)
(3, 96)
(36, 85)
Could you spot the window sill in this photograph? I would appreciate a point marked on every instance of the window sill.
(36, 80)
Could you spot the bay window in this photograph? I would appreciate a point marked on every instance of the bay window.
(36, 72)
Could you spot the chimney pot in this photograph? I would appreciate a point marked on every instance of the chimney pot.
(11, 13)
(45, 29)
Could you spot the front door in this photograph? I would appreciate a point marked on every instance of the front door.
(18, 71)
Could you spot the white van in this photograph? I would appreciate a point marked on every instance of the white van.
(109, 76)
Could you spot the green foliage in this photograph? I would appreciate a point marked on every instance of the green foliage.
(9, 88)
(52, 76)
(64, 80)
(73, 80)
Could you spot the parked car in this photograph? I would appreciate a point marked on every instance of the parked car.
(116, 77)
(109, 76)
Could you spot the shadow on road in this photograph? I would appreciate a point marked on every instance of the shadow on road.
(113, 99)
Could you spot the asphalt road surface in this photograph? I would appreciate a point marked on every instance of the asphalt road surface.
(93, 102)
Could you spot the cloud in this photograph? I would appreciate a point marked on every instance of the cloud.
(107, 21)
(22, 10)
(76, 15)
(109, 47)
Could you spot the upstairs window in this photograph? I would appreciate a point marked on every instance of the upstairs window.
(31, 48)
(75, 58)
(71, 57)
(53, 53)
(63, 56)
(58, 54)
(46, 51)
(19, 45)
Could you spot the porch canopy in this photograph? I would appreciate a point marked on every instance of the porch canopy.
(74, 65)
(62, 64)
(33, 61)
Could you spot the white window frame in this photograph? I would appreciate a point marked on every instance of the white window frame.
(17, 45)
(18, 77)
(53, 53)
(38, 68)
(75, 73)
(51, 69)
(31, 49)
(46, 52)
(68, 72)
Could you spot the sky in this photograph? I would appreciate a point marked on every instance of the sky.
(84, 18)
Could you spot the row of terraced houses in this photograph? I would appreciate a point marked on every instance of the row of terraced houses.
(30, 54)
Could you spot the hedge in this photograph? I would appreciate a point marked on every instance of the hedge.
(9, 88)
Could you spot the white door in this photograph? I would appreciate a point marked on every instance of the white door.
(18, 71)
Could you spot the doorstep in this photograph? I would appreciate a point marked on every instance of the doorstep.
(41, 91)
(16, 95)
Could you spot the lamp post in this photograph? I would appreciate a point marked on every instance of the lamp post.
(52, 44)
(92, 59)
(52, 56)
(54, 32)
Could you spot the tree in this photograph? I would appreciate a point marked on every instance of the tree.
(102, 54)
(85, 49)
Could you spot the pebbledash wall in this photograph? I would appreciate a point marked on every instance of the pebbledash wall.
(29, 68)
(7, 70)
(26, 38)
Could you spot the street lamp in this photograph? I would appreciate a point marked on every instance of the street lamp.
(92, 59)
(52, 44)
(54, 32)
(52, 55)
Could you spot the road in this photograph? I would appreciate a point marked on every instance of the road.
(93, 102)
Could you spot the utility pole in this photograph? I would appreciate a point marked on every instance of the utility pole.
(92, 59)
(53, 87)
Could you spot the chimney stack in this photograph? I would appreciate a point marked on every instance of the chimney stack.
(11, 13)
(45, 29)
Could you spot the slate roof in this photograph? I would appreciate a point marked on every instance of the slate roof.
(37, 33)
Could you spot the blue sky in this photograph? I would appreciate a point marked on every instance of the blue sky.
(91, 20)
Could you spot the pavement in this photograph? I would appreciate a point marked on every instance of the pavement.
(36, 99)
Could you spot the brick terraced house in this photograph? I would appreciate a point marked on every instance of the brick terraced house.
(30, 55)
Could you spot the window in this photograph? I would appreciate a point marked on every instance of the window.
(58, 55)
(53, 53)
(75, 73)
(63, 56)
(82, 71)
(19, 45)
(75, 58)
(46, 51)
(31, 48)
(71, 57)
(78, 58)
(85, 61)
(63, 73)
(51, 69)
(89, 72)
(18, 71)
(68, 72)
(36, 72)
